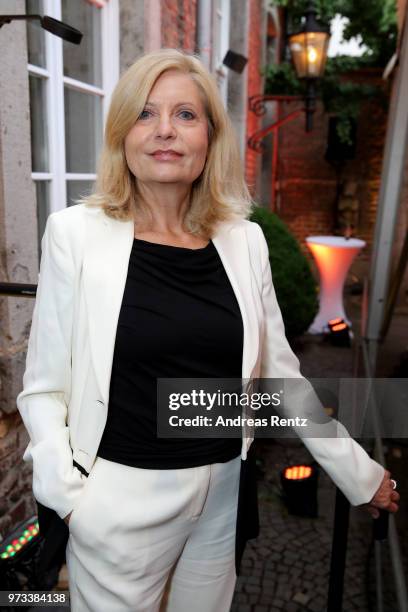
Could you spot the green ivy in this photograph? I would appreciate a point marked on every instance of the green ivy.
(282, 79)
(374, 20)
(340, 97)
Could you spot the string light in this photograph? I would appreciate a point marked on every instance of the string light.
(27, 533)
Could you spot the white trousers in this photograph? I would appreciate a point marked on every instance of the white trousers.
(135, 529)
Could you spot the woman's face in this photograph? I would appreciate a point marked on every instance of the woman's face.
(169, 141)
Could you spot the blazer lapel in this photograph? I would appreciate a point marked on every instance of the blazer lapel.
(232, 246)
(106, 258)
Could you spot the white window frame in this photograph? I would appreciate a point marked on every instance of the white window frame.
(54, 95)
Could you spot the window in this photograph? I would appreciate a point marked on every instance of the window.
(70, 88)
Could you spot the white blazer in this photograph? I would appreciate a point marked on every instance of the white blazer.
(64, 401)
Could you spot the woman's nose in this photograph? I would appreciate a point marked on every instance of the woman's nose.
(165, 127)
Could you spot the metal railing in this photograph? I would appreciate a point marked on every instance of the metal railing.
(18, 289)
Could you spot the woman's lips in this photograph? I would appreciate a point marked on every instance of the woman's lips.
(166, 155)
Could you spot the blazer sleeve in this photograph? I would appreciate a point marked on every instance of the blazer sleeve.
(345, 461)
(47, 378)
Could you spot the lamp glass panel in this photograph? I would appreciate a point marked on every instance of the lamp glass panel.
(297, 46)
(309, 53)
(38, 123)
(83, 130)
(316, 45)
(35, 34)
(83, 62)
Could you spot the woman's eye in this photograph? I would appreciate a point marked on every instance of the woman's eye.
(188, 113)
(185, 114)
(142, 116)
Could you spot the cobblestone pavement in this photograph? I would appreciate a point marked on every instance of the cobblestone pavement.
(287, 567)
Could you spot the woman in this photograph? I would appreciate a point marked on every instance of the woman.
(158, 274)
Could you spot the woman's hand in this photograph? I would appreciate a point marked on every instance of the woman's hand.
(384, 499)
(66, 518)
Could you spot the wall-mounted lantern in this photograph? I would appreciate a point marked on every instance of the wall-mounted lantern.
(308, 48)
(309, 52)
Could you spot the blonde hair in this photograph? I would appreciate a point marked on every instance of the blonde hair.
(218, 194)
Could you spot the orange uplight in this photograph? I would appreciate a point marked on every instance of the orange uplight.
(335, 321)
(298, 472)
(339, 327)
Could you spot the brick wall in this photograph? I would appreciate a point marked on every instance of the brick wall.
(18, 264)
(179, 24)
(16, 500)
(307, 182)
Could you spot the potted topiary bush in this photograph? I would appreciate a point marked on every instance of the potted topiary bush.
(295, 287)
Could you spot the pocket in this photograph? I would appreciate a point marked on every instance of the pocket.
(77, 507)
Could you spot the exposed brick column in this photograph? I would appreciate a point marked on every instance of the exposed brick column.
(190, 24)
(179, 24)
(255, 86)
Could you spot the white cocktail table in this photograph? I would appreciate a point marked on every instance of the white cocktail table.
(333, 256)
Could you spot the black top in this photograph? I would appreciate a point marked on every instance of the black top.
(179, 318)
